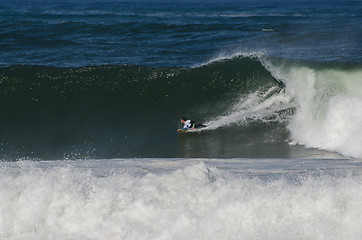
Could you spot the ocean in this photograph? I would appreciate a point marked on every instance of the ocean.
(91, 96)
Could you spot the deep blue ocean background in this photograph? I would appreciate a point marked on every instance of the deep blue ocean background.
(175, 33)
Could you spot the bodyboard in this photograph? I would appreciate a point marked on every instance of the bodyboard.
(189, 130)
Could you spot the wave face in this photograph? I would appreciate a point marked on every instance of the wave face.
(248, 102)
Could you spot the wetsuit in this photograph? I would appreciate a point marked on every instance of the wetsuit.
(189, 124)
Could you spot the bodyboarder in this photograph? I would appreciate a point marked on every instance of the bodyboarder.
(189, 124)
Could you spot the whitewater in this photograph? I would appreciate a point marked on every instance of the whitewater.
(327, 103)
(181, 199)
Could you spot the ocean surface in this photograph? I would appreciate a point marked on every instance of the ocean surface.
(91, 96)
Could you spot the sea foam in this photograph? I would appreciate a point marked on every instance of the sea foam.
(193, 202)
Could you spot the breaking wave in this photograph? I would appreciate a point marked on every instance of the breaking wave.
(128, 111)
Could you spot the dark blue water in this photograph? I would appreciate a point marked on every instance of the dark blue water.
(176, 33)
(111, 79)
